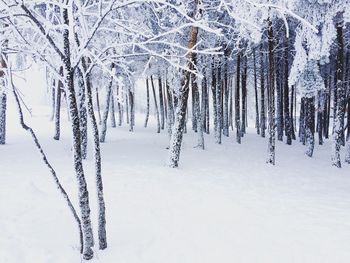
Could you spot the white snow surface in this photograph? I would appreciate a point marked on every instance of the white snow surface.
(224, 204)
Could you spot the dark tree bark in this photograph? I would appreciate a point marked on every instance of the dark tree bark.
(262, 92)
(225, 126)
(338, 136)
(147, 103)
(105, 113)
(218, 109)
(237, 100)
(309, 125)
(161, 102)
(49, 166)
(58, 109)
(112, 115)
(302, 118)
(77, 157)
(257, 120)
(102, 236)
(244, 96)
(3, 97)
(287, 119)
(98, 106)
(82, 111)
(132, 110)
(155, 105)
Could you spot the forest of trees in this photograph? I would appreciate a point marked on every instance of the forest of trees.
(202, 61)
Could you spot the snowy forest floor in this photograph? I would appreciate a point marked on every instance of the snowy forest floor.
(224, 204)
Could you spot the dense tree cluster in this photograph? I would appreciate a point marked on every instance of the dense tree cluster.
(201, 60)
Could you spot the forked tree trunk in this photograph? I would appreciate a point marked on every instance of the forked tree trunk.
(77, 158)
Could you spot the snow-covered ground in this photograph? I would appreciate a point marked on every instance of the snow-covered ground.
(223, 204)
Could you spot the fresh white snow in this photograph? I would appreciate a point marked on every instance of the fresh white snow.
(224, 204)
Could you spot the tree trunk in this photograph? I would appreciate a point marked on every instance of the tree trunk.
(147, 101)
(78, 165)
(271, 103)
(58, 109)
(105, 113)
(237, 100)
(112, 115)
(244, 96)
(262, 97)
(338, 135)
(287, 119)
(176, 138)
(161, 102)
(155, 105)
(257, 121)
(309, 125)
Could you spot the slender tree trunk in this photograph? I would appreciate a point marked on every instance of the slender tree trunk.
(161, 102)
(120, 109)
(112, 115)
(102, 236)
(77, 157)
(262, 97)
(98, 107)
(58, 109)
(244, 96)
(257, 121)
(218, 105)
(272, 131)
(3, 95)
(132, 110)
(105, 113)
(147, 101)
(52, 171)
(237, 100)
(287, 117)
(155, 105)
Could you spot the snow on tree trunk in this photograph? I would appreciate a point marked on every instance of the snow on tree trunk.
(338, 134)
(112, 115)
(3, 106)
(271, 102)
(132, 110)
(147, 102)
(77, 157)
(225, 123)
(237, 100)
(262, 97)
(180, 119)
(257, 121)
(82, 111)
(105, 113)
(287, 119)
(155, 105)
(244, 96)
(58, 109)
(197, 110)
(309, 123)
(102, 236)
(218, 109)
(52, 171)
